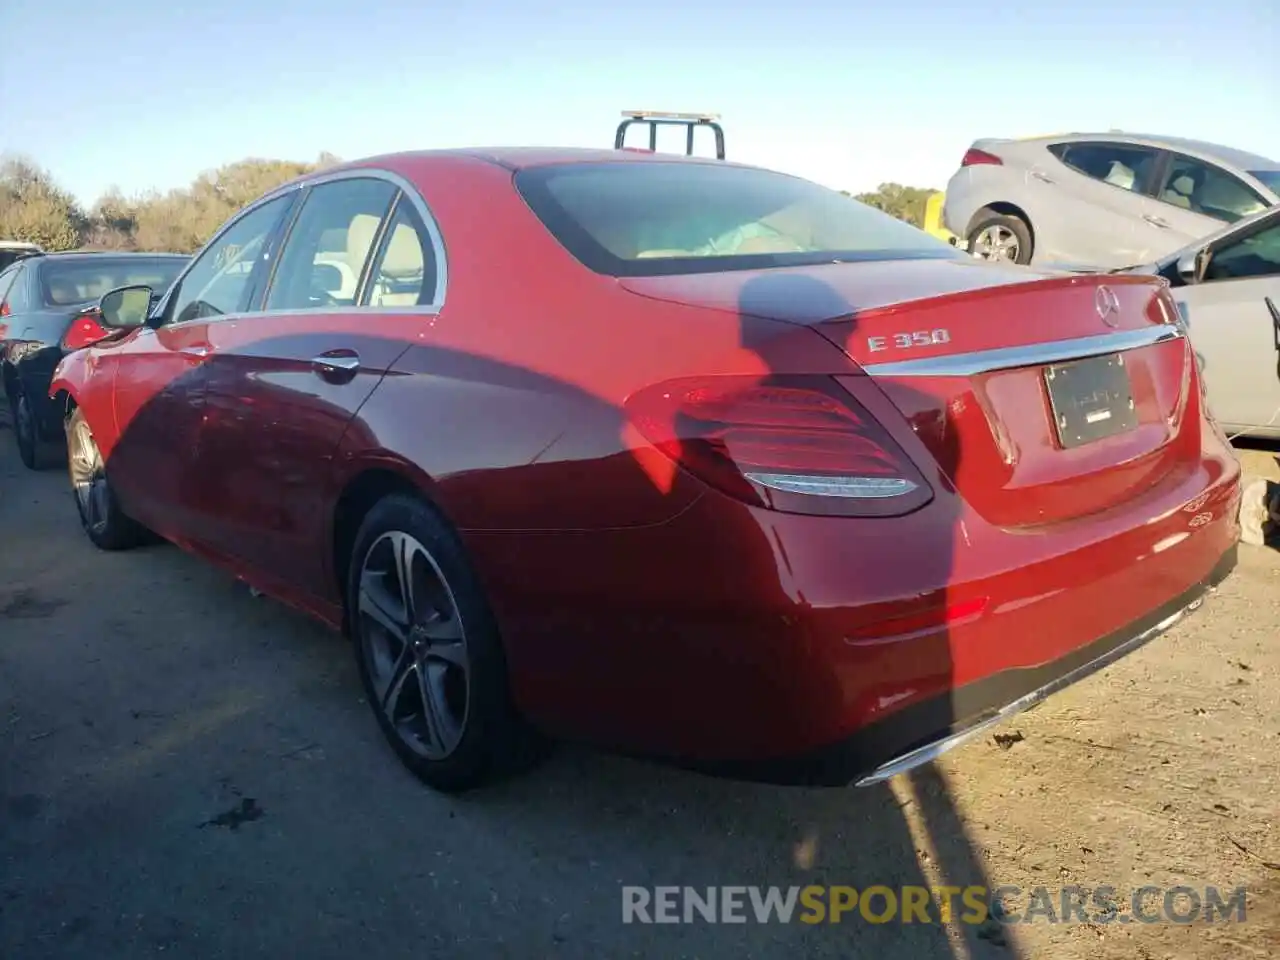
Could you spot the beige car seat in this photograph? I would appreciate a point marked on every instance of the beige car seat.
(402, 266)
(1120, 176)
(1179, 191)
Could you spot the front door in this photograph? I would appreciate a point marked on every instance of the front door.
(1192, 200)
(285, 382)
(159, 376)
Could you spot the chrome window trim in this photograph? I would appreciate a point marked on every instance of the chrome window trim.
(407, 190)
(410, 192)
(1004, 358)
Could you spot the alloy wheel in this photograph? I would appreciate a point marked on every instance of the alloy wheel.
(996, 242)
(89, 479)
(414, 645)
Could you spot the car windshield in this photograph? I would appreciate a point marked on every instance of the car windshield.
(1270, 178)
(649, 219)
(64, 283)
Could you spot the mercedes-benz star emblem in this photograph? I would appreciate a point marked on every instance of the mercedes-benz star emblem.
(1108, 306)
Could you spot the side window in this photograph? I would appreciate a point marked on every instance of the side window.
(6, 281)
(1117, 164)
(1205, 189)
(1254, 256)
(218, 281)
(404, 274)
(329, 244)
(14, 299)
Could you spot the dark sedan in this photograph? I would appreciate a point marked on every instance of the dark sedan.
(48, 306)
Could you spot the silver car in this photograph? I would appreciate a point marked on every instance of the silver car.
(1102, 200)
(1227, 287)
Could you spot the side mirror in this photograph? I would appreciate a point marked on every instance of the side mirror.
(125, 307)
(1191, 267)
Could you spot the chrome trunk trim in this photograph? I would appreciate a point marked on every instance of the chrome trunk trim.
(1004, 358)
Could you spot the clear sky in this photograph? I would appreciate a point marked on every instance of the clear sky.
(147, 93)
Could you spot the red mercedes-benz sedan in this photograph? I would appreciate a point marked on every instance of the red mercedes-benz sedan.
(688, 458)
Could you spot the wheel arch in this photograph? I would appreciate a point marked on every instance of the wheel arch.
(1000, 208)
(365, 485)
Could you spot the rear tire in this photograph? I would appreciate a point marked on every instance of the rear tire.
(429, 653)
(26, 432)
(106, 525)
(1001, 237)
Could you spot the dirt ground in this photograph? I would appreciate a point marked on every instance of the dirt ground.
(185, 770)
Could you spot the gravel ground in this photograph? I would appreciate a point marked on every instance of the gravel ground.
(185, 769)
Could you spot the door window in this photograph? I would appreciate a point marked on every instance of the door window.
(1120, 165)
(6, 281)
(1254, 256)
(330, 244)
(15, 298)
(1208, 190)
(404, 274)
(218, 281)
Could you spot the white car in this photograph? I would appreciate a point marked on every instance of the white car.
(1106, 199)
(12, 251)
(1227, 288)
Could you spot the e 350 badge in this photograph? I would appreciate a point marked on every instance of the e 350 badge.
(906, 341)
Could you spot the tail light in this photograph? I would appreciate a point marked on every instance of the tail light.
(84, 331)
(4, 310)
(793, 444)
(974, 157)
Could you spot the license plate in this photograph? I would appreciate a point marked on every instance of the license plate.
(1090, 399)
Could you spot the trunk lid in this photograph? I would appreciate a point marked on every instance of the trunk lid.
(1041, 396)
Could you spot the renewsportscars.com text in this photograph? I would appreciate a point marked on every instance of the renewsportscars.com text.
(915, 904)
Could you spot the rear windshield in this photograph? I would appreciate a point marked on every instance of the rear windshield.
(67, 282)
(648, 219)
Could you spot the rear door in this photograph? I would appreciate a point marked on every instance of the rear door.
(1233, 330)
(1192, 199)
(1096, 193)
(158, 374)
(285, 382)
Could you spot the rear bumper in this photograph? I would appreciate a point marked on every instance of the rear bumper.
(816, 650)
(924, 731)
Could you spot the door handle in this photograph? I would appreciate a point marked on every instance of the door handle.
(196, 351)
(339, 366)
(1156, 221)
(1042, 177)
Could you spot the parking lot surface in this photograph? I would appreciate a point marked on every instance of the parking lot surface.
(186, 770)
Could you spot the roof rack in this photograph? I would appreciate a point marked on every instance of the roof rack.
(661, 118)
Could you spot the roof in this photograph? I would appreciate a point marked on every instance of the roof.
(1241, 159)
(516, 158)
(113, 254)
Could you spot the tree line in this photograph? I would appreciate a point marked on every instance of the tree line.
(35, 208)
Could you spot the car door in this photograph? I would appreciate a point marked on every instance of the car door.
(1095, 195)
(157, 374)
(1192, 199)
(1232, 329)
(285, 383)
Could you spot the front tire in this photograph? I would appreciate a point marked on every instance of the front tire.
(1003, 238)
(106, 525)
(428, 650)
